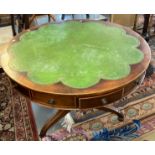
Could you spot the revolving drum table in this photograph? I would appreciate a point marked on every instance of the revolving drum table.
(77, 93)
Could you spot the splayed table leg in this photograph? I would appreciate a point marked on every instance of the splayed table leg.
(113, 110)
(51, 121)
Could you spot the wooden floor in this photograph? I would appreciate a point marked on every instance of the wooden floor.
(5, 34)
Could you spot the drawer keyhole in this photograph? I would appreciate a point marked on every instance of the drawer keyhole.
(104, 101)
(51, 101)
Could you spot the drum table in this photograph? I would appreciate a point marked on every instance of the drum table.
(80, 78)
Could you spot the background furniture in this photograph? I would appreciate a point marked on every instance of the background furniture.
(124, 19)
(20, 22)
(5, 20)
(86, 16)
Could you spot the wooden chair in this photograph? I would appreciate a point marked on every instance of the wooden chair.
(50, 16)
(20, 22)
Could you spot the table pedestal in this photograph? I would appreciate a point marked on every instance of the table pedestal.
(61, 113)
(52, 120)
(68, 103)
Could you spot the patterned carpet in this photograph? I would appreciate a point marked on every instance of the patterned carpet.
(16, 119)
(147, 130)
(107, 126)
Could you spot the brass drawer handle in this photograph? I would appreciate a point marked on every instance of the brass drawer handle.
(104, 101)
(51, 101)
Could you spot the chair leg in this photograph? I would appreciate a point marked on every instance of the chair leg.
(135, 22)
(63, 17)
(51, 16)
(32, 19)
(72, 16)
(87, 16)
(145, 27)
(13, 25)
(26, 21)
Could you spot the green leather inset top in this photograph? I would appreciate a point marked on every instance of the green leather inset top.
(77, 54)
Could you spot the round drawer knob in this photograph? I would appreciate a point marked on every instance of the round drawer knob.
(104, 101)
(51, 101)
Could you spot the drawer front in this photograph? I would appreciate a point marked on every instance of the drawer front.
(131, 87)
(97, 101)
(53, 100)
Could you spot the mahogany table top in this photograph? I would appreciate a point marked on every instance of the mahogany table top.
(103, 86)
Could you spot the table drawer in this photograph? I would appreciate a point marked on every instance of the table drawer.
(97, 101)
(131, 87)
(54, 101)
